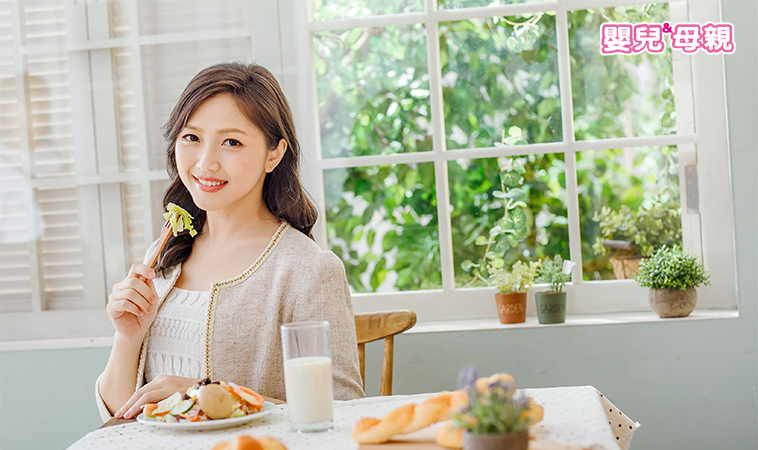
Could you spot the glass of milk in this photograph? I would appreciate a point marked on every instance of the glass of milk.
(308, 375)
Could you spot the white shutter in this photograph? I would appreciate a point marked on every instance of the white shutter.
(61, 248)
(119, 18)
(15, 192)
(44, 21)
(190, 16)
(81, 148)
(135, 222)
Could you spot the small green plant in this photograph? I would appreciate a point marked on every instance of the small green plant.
(672, 268)
(649, 228)
(556, 273)
(500, 409)
(508, 231)
(519, 279)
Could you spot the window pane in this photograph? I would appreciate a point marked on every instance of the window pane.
(345, 9)
(373, 91)
(500, 80)
(617, 96)
(456, 4)
(476, 209)
(633, 178)
(382, 222)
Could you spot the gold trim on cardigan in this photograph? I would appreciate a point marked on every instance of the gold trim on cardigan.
(216, 286)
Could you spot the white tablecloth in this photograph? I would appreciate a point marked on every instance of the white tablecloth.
(573, 415)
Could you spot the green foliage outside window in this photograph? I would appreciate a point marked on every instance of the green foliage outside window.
(373, 99)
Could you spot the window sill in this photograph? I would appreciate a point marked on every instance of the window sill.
(424, 327)
(571, 321)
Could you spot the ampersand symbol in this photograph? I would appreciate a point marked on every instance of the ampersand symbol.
(666, 27)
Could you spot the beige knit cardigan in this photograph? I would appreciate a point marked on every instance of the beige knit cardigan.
(293, 280)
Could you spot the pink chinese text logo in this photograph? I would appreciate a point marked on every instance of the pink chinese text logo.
(630, 39)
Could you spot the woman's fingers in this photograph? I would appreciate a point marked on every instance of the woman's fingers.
(141, 270)
(117, 308)
(160, 388)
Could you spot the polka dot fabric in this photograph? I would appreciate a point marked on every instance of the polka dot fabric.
(573, 415)
(622, 426)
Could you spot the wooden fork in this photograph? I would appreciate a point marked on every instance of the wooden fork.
(165, 233)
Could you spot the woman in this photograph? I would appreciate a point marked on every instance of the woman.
(214, 305)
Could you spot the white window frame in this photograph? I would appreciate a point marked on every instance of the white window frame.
(700, 99)
(699, 84)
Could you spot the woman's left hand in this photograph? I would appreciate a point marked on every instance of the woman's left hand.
(160, 388)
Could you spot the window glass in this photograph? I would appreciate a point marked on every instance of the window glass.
(619, 95)
(347, 9)
(639, 189)
(477, 206)
(500, 80)
(382, 222)
(373, 91)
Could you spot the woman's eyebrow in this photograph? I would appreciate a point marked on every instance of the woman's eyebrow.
(231, 130)
(221, 131)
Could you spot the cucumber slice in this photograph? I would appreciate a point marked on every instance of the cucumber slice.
(168, 403)
(237, 413)
(182, 407)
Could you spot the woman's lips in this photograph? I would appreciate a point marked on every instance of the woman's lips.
(209, 184)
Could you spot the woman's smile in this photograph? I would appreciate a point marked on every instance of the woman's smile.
(209, 184)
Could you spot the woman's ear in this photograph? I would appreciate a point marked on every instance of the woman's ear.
(275, 155)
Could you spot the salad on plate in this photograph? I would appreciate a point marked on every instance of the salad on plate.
(206, 400)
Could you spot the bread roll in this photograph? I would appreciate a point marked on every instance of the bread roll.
(246, 442)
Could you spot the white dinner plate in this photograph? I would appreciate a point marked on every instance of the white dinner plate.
(267, 409)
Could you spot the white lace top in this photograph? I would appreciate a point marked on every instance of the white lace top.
(176, 341)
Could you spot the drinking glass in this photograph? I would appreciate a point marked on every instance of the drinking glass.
(308, 376)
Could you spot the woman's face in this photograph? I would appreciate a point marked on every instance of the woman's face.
(222, 158)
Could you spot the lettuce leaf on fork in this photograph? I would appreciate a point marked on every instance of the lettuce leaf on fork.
(174, 214)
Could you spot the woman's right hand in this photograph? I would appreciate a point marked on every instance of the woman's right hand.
(132, 304)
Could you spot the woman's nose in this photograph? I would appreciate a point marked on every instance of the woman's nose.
(208, 161)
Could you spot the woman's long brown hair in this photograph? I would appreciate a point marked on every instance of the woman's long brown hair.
(261, 100)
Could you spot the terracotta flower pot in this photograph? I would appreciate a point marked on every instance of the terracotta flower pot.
(672, 302)
(511, 308)
(551, 307)
(473, 441)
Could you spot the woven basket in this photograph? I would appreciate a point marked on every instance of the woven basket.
(625, 267)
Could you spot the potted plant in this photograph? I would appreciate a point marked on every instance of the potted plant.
(504, 235)
(551, 305)
(496, 415)
(512, 287)
(672, 276)
(633, 235)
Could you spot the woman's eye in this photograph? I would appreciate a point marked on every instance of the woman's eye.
(233, 142)
(190, 137)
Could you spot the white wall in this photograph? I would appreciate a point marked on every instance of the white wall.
(690, 384)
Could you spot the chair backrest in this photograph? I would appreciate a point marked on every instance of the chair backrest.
(382, 325)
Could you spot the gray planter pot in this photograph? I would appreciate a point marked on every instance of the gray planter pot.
(473, 441)
(669, 303)
(551, 308)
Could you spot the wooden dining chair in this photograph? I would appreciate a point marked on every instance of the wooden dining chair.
(382, 325)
